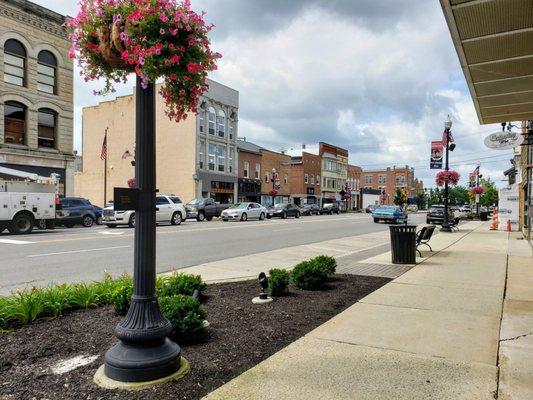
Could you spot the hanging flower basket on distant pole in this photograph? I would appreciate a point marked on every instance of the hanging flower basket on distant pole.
(478, 190)
(132, 183)
(450, 176)
(155, 39)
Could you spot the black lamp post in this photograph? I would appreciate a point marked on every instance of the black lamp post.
(446, 223)
(273, 185)
(143, 352)
(478, 177)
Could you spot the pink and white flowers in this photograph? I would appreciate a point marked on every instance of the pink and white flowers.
(451, 176)
(152, 38)
(478, 189)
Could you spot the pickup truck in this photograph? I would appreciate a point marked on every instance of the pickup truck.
(169, 209)
(204, 209)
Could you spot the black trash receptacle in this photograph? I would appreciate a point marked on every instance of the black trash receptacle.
(403, 244)
(484, 216)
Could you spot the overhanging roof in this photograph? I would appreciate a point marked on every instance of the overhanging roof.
(494, 41)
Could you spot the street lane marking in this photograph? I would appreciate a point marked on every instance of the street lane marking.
(77, 251)
(11, 241)
(286, 229)
(111, 232)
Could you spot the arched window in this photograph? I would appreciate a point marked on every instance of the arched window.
(221, 123)
(47, 72)
(46, 126)
(14, 122)
(212, 120)
(14, 62)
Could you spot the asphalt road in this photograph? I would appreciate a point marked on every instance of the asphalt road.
(72, 255)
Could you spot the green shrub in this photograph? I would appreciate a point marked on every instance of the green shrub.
(105, 289)
(55, 299)
(278, 281)
(5, 309)
(184, 313)
(83, 295)
(308, 275)
(25, 306)
(329, 264)
(179, 284)
(121, 297)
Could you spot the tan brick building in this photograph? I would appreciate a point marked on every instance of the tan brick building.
(389, 179)
(249, 156)
(280, 164)
(334, 170)
(195, 158)
(305, 179)
(36, 102)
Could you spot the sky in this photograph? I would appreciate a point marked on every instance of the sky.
(377, 77)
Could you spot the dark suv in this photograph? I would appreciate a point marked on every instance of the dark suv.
(284, 211)
(435, 215)
(330, 208)
(76, 210)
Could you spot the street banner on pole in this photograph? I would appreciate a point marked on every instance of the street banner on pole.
(436, 155)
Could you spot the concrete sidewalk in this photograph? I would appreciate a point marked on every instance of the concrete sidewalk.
(431, 333)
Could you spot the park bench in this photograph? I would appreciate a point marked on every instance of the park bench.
(423, 236)
(455, 224)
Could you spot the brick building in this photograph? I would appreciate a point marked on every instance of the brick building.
(278, 164)
(389, 179)
(36, 102)
(354, 186)
(334, 171)
(249, 170)
(305, 179)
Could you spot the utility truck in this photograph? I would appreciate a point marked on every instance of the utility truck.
(27, 200)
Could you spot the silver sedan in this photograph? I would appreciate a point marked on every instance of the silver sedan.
(244, 212)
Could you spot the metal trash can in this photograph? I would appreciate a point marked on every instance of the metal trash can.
(484, 216)
(403, 244)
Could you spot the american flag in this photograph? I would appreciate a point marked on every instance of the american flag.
(444, 134)
(103, 153)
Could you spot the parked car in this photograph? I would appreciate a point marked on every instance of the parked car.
(75, 210)
(393, 214)
(310, 209)
(435, 215)
(371, 207)
(412, 208)
(169, 209)
(98, 213)
(204, 209)
(330, 208)
(465, 208)
(284, 211)
(244, 212)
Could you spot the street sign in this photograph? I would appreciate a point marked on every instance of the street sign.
(125, 199)
(503, 140)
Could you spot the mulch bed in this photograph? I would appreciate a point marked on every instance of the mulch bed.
(240, 336)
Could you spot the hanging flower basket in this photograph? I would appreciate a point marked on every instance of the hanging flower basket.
(153, 38)
(451, 176)
(132, 183)
(272, 192)
(478, 189)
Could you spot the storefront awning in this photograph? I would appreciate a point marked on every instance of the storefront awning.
(494, 41)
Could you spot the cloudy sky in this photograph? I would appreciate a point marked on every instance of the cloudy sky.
(377, 77)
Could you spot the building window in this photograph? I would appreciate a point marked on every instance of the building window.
(201, 160)
(221, 158)
(46, 72)
(368, 179)
(212, 151)
(382, 179)
(306, 178)
(400, 180)
(46, 128)
(14, 63)
(231, 159)
(14, 122)
(257, 170)
(285, 179)
(202, 121)
(212, 120)
(221, 123)
(231, 130)
(267, 178)
(312, 179)
(246, 169)
(318, 180)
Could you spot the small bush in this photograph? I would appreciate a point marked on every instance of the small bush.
(179, 284)
(308, 275)
(55, 299)
(329, 264)
(121, 297)
(184, 313)
(278, 281)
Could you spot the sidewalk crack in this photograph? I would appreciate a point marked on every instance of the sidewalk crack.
(516, 337)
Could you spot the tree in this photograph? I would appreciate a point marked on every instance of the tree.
(490, 196)
(421, 199)
(399, 197)
(435, 196)
(458, 195)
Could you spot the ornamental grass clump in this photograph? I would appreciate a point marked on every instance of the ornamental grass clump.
(278, 281)
(151, 38)
(309, 275)
(184, 313)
